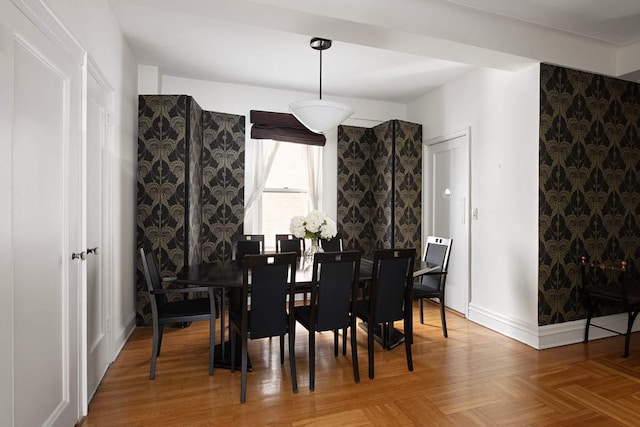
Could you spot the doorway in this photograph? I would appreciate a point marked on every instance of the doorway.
(446, 214)
(42, 254)
(99, 143)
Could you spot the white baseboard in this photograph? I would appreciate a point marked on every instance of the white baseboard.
(123, 337)
(573, 332)
(513, 328)
(548, 336)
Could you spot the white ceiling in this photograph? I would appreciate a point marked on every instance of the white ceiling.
(383, 49)
(613, 21)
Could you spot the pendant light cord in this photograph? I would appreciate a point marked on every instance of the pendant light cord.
(321, 74)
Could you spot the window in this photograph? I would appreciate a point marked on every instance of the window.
(285, 193)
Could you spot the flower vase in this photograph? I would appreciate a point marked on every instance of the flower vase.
(311, 251)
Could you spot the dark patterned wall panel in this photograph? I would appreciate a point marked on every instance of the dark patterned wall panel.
(382, 185)
(169, 155)
(379, 186)
(589, 168)
(408, 185)
(223, 184)
(354, 188)
(173, 183)
(194, 255)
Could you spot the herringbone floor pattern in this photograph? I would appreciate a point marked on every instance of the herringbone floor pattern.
(476, 377)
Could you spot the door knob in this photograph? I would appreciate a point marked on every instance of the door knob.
(92, 251)
(81, 256)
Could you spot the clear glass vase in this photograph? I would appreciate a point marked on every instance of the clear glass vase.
(311, 251)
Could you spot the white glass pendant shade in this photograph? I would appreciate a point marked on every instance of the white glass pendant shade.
(320, 116)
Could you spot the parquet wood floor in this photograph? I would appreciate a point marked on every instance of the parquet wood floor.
(476, 377)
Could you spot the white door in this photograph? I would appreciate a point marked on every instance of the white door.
(40, 113)
(98, 282)
(447, 193)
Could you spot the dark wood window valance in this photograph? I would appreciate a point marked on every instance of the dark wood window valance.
(282, 127)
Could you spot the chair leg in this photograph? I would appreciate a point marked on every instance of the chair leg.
(335, 343)
(312, 360)
(344, 341)
(243, 387)
(354, 352)
(212, 341)
(370, 348)
(292, 360)
(590, 311)
(421, 301)
(631, 318)
(222, 321)
(408, 339)
(282, 349)
(160, 332)
(232, 344)
(154, 350)
(443, 318)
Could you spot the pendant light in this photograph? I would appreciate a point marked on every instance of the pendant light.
(320, 116)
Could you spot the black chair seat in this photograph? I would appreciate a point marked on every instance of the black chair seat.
(236, 317)
(303, 314)
(361, 308)
(607, 284)
(428, 290)
(616, 292)
(186, 308)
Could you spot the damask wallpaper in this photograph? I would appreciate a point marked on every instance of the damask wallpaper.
(223, 184)
(589, 200)
(379, 186)
(169, 151)
(194, 189)
(408, 185)
(382, 177)
(186, 172)
(355, 197)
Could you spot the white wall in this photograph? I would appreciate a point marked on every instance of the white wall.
(238, 99)
(95, 27)
(502, 110)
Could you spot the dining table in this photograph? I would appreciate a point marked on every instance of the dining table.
(228, 277)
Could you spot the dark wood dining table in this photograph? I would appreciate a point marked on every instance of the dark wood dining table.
(229, 276)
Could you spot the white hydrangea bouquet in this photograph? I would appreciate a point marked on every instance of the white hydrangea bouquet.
(314, 226)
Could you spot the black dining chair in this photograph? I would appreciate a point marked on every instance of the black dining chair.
(290, 243)
(242, 244)
(609, 284)
(182, 310)
(332, 245)
(245, 244)
(267, 298)
(389, 299)
(432, 284)
(334, 290)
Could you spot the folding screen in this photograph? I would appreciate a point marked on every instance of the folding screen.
(190, 175)
(379, 186)
(223, 184)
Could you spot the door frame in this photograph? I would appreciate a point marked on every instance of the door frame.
(427, 196)
(108, 272)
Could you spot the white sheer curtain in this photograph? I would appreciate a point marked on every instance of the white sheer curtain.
(314, 175)
(264, 152)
